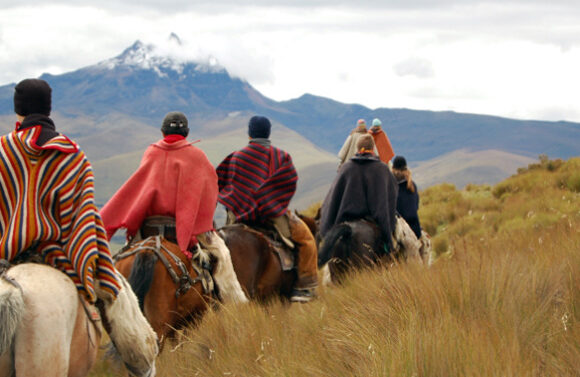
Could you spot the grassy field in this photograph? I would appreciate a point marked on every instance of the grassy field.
(502, 299)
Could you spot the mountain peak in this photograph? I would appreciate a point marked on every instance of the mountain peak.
(174, 38)
(163, 59)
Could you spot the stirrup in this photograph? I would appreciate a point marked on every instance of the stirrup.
(302, 295)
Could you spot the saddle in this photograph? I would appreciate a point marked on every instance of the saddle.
(279, 246)
(162, 225)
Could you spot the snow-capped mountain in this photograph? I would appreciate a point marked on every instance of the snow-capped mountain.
(149, 57)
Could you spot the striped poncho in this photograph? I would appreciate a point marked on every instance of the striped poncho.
(47, 205)
(257, 182)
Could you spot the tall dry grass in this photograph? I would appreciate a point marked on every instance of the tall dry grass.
(504, 301)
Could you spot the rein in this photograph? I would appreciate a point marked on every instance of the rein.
(184, 281)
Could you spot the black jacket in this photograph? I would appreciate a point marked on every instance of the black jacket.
(364, 187)
(408, 205)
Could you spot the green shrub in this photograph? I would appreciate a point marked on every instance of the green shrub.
(573, 182)
(440, 244)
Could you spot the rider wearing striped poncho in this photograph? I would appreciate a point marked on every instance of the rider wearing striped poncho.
(47, 200)
(256, 185)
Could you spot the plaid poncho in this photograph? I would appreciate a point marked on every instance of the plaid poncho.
(47, 205)
(257, 182)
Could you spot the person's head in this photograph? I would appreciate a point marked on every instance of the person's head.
(361, 122)
(399, 163)
(402, 172)
(376, 123)
(259, 127)
(365, 144)
(175, 123)
(32, 96)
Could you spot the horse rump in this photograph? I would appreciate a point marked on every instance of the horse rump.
(11, 311)
(336, 244)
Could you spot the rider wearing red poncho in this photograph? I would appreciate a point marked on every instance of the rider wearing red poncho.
(175, 179)
(256, 185)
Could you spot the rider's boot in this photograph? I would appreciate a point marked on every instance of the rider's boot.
(307, 266)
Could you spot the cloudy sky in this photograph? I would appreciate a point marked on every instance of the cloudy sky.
(514, 58)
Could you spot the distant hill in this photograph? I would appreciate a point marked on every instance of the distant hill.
(462, 167)
(113, 109)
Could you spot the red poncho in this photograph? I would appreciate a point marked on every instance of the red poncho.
(383, 144)
(174, 179)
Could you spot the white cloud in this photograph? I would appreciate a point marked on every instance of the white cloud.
(512, 58)
(418, 67)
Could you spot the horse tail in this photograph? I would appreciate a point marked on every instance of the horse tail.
(11, 311)
(141, 275)
(336, 244)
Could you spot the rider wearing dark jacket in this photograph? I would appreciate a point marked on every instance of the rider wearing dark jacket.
(364, 187)
(408, 199)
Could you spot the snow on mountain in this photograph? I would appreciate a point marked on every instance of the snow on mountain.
(161, 59)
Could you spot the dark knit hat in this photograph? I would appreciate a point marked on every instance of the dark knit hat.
(259, 127)
(365, 142)
(175, 123)
(400, 163)
(32, 96)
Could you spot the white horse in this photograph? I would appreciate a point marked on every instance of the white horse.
(45, 329)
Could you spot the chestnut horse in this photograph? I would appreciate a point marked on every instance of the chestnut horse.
(256, 263)
(46, 329)
(171, 291)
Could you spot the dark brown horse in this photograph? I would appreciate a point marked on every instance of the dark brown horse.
(359, 243)
(258, 267)
(171, 292)
(350, 244)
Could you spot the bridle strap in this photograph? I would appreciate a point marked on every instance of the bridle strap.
(184, 281)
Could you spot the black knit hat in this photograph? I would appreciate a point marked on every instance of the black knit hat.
(175, 123)
(259, 127)
(32, 96)
(400, 163)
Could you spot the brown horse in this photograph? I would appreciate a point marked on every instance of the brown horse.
(258, 267)
(171, 291)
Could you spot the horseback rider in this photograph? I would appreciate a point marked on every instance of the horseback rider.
(256, 185)
(363, 188)
(48, 214)
(408, 206)
(383, 146)
(174, 193)
(47, 208)
(408, 198)
(349, 148)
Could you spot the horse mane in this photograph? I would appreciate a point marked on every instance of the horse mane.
(337, 243)
(141, 275)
